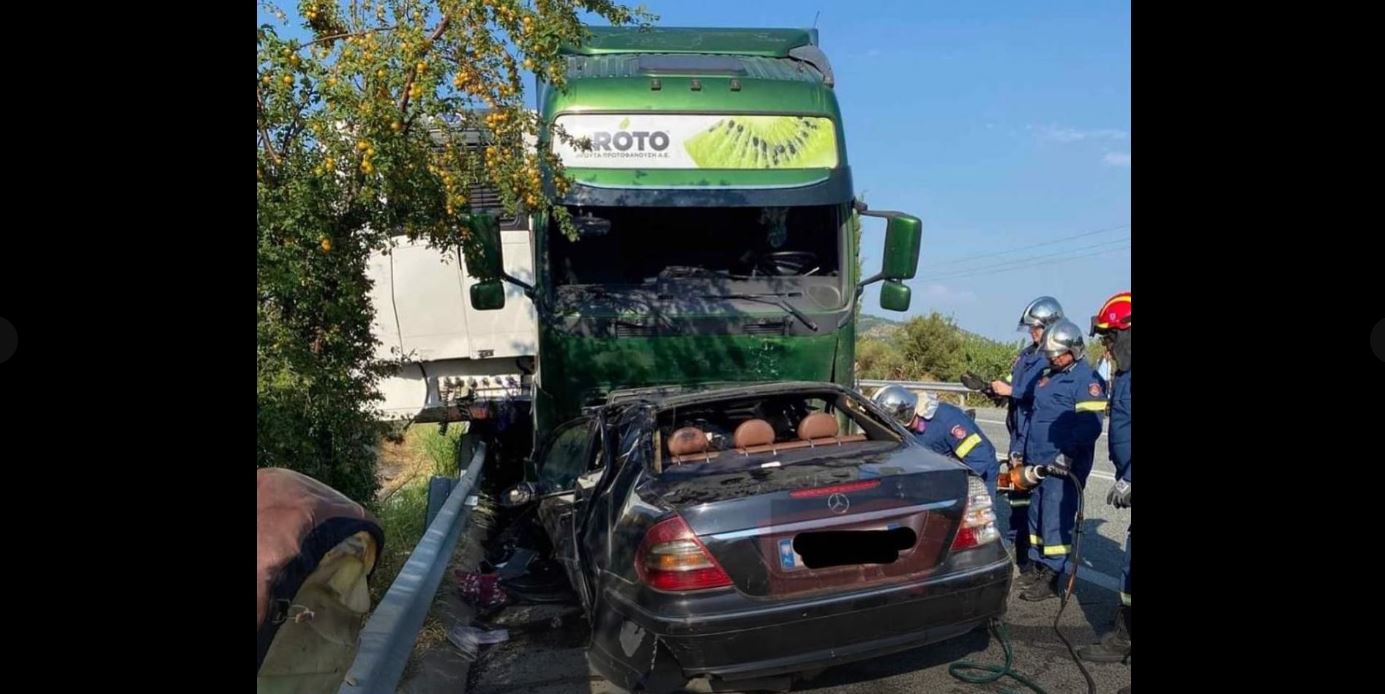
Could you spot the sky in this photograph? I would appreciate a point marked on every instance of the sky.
(1004, 126)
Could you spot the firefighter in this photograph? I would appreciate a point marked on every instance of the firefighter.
(1112, 323)
(948, 430)
(1018, 389)
(943, 428)
(1063, 427)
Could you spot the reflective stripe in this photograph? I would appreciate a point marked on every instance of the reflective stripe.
(1125, 599)
(1014, 503)
(967, 445)
(1036, 540)
(1054, 550)
(1092, 406)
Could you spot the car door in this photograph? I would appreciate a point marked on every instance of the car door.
(573, 451)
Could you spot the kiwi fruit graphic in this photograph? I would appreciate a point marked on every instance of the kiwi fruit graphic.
(765, 142)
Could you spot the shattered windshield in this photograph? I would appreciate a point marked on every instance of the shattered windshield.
(646, 246)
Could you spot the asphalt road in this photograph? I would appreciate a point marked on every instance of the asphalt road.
(545, 656)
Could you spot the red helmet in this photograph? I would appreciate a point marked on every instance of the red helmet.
(1114, 314)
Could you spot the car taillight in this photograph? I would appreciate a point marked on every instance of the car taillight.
(978, 519)
(671, 558)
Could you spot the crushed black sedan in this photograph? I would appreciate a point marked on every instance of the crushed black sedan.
(751, 533)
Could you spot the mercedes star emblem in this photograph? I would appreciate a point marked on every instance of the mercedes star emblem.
(838, 503)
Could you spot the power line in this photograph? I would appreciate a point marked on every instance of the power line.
(1014, 261)
(1030, 265)
(1022, 248)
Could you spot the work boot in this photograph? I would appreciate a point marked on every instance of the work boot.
(1043, 587)
(1114, 646)
(1028, 574)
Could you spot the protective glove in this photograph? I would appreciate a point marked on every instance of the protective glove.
(1061, 467)
(1119, 496)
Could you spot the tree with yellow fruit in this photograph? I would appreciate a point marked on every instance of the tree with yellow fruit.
(361, 113)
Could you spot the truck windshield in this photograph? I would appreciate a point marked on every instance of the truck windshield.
(646, 246)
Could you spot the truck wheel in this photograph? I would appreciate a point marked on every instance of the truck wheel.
(438, 489)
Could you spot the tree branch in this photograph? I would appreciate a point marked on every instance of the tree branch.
(334, 37)
(413, 69)
(264, 134)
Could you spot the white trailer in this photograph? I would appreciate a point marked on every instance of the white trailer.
(424, 320)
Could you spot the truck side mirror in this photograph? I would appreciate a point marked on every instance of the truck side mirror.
(903, 235)
(488, 295)
(894, 296)
(485, 262)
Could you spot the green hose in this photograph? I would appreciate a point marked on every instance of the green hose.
(997, 629)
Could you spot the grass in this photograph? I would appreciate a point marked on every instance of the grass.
(405, 469)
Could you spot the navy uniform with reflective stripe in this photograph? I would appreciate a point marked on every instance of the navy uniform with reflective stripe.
(1024, 373)
(952, 432)
(1066, 420)
(1119, 440)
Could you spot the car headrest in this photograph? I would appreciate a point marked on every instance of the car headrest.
(687, 441)
(818, 425)
(753, 432)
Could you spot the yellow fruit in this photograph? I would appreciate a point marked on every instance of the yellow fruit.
(288, 80)
(325, 244)
(362, 145)
(396, 126)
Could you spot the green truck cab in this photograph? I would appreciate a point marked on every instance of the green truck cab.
(717, 220)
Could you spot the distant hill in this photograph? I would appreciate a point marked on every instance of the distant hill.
(877, 327)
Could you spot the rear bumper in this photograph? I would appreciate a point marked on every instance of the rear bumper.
(782, 637)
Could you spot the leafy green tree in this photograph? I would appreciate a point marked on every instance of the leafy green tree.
(360, 136)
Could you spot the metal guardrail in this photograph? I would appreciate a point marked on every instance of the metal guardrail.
(389, 636)
(916, 385)
(935, 387)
